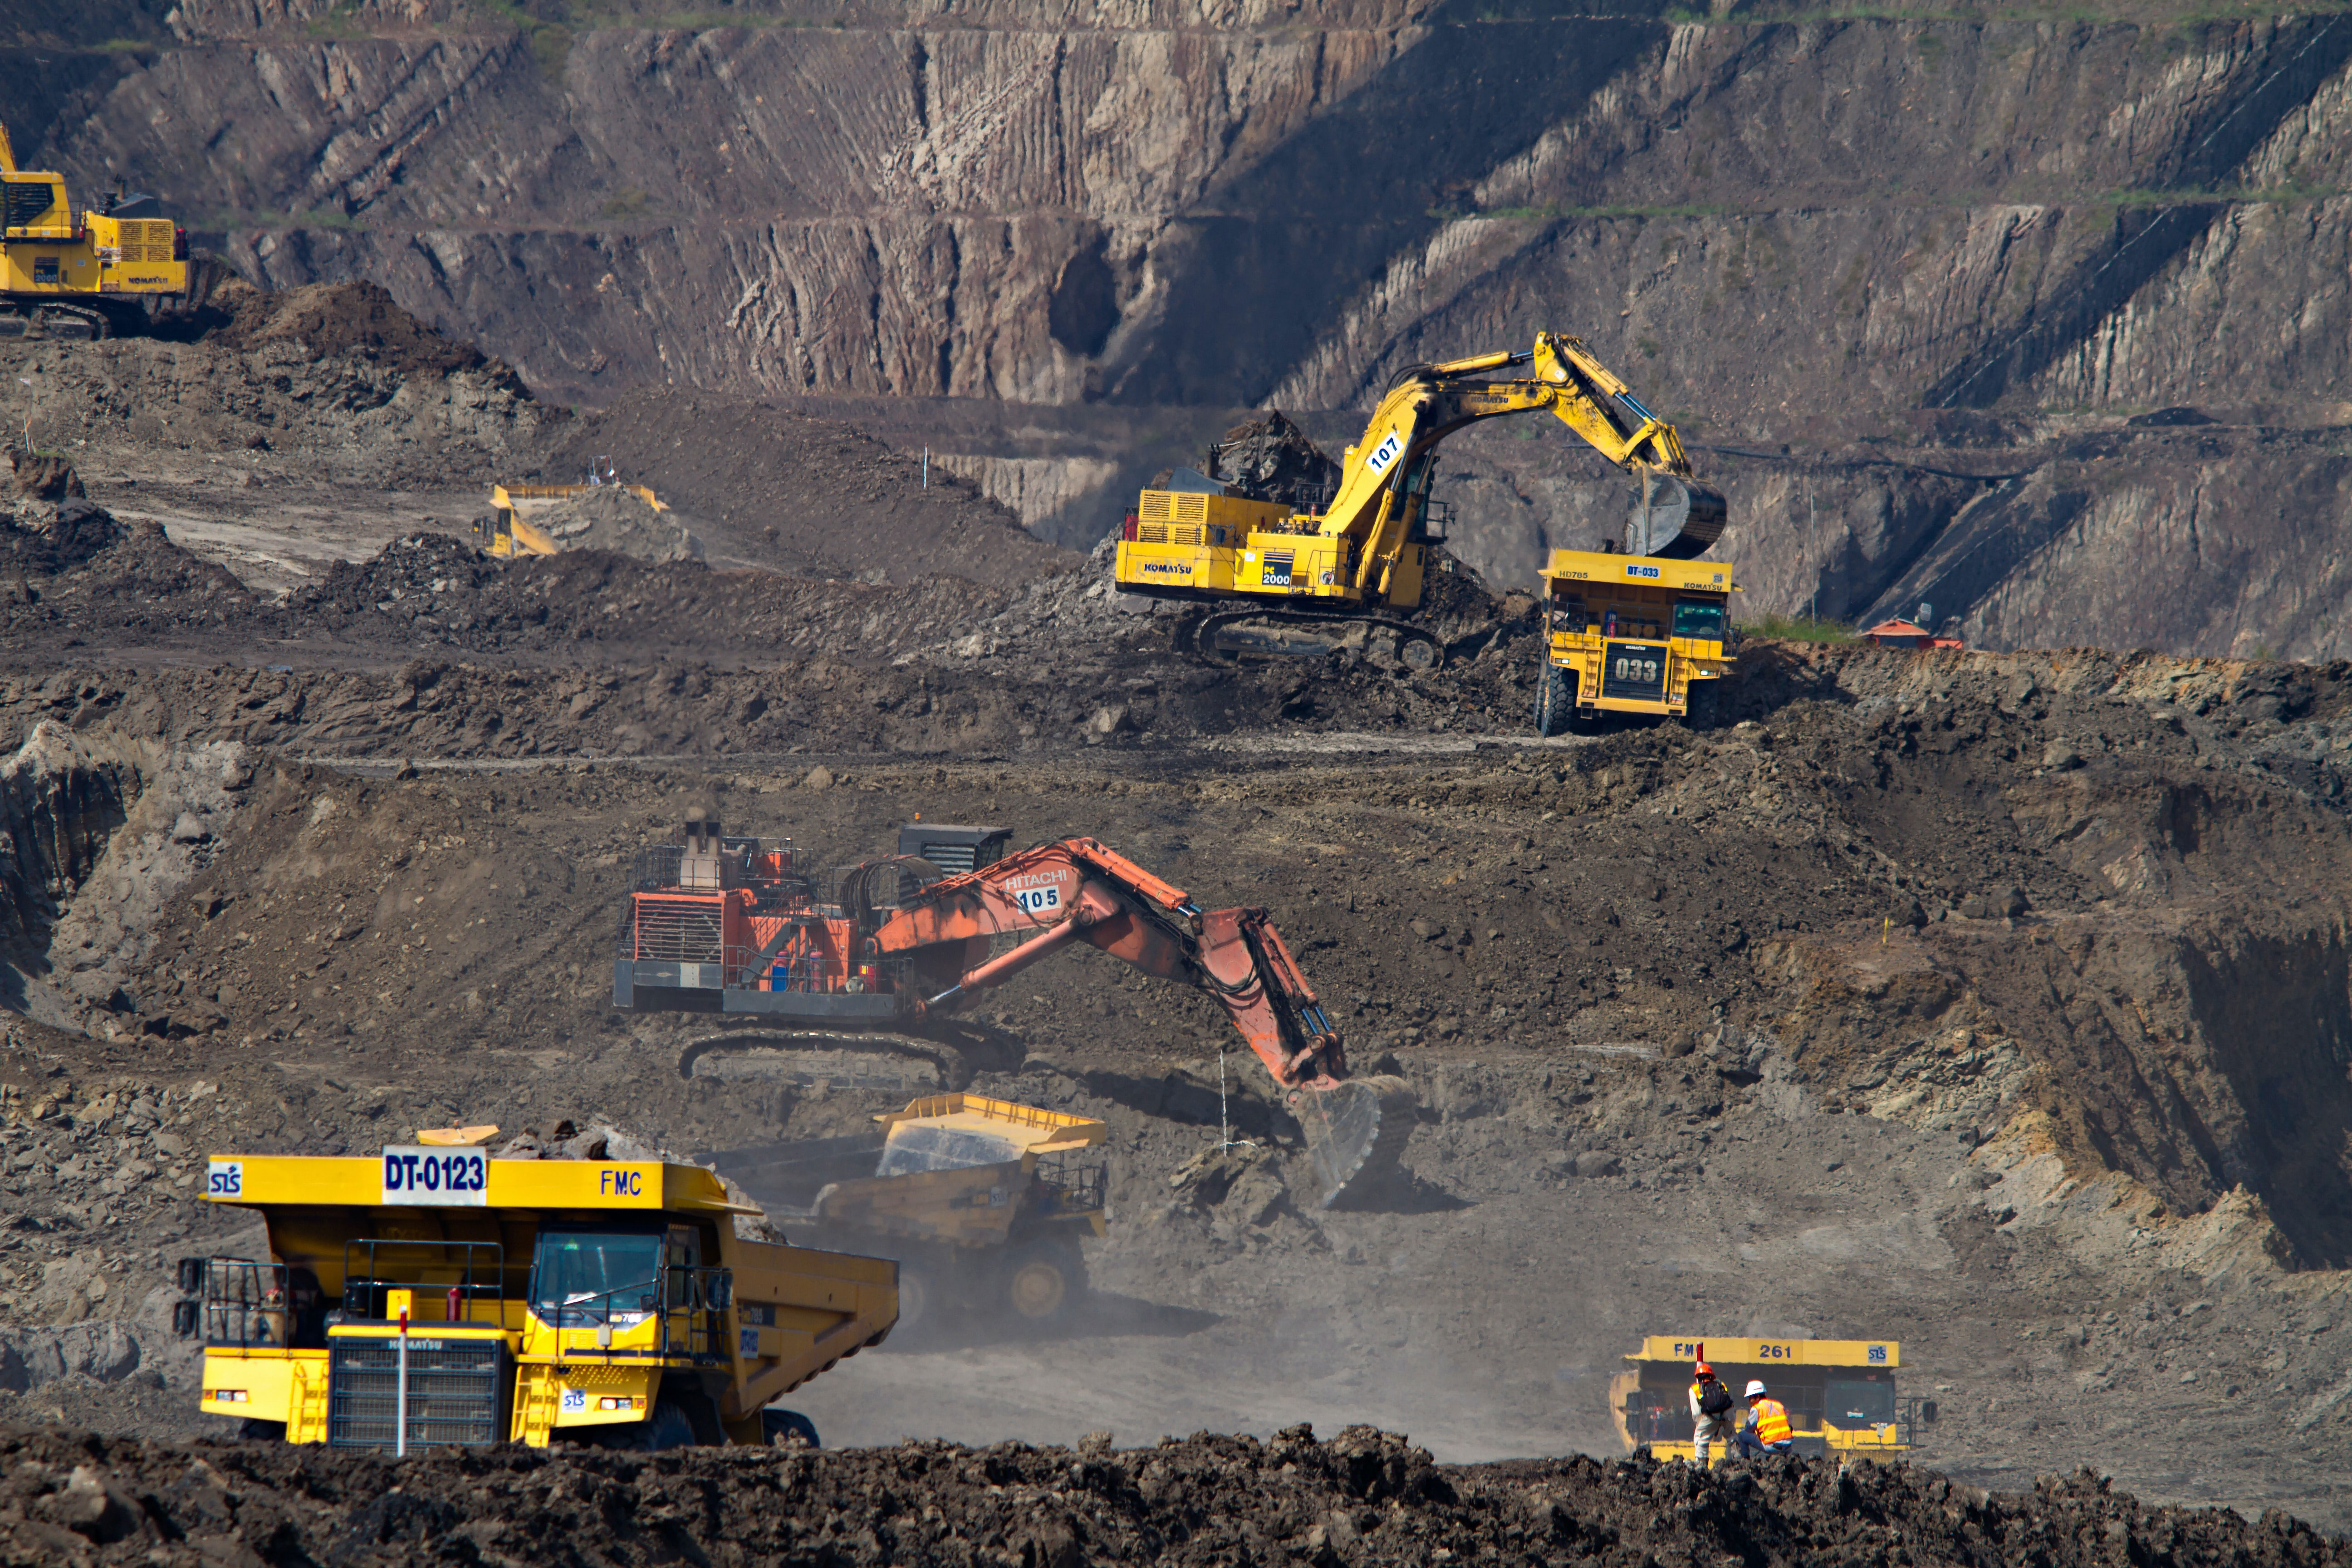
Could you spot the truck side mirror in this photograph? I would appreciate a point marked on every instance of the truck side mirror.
(192, 1275)
(184, 1320)
(719, 1292)
(1928, 1412)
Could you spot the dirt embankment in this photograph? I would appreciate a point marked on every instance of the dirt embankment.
(1362, 1497)
(778, 489)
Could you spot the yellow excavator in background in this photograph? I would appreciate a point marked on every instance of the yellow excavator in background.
(80, 273)
(1363, 556)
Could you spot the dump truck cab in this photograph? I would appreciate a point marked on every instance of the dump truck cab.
(1630, 633)
(1840, 1393)
(437, 1296)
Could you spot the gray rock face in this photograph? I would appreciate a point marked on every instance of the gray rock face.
(1873, 268)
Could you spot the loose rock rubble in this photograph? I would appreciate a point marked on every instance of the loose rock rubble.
(1360, 1497)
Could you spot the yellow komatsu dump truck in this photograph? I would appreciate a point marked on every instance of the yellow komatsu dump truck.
(981, 1201)
(73, 273)
(1362, 556)
(1840, 1393)
(1631, 633)
(437, 1296)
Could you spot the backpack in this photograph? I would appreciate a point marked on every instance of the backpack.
(1716, 1401)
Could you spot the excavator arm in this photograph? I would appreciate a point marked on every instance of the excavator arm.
(1079, 890)
(1386, 471)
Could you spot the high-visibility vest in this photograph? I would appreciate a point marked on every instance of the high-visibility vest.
(1771, 1421)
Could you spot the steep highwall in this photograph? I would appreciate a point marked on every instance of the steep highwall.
(1836, 237)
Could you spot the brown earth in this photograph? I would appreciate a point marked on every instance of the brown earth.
(1996, 1003)
(777, 488)
(2077, 1159)
(1361, 1497)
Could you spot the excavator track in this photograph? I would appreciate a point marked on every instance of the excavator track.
(1217, 639)
(55, 320)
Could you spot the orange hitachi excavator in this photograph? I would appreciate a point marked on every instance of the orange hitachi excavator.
(721, 924)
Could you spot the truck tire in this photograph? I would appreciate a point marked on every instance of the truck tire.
(785, 1428)
(1555, 698)
(1044, 1280)
(668, 1427)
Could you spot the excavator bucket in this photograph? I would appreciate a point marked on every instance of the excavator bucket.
(1356, 1131)
(1675, 518)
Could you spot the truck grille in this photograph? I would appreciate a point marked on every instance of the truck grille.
(454, 1387)
(1168, 506)
(1635, 670)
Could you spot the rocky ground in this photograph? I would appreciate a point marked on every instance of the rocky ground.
(1359, 1497)
(1995, 1003)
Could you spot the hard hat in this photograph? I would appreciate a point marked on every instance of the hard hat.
(1754, 1388)
(1703, 1369)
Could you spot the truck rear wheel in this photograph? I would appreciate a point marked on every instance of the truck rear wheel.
(1042, 1279)
(1555, 698)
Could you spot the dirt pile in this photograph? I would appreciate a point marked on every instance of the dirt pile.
(1363, 1497)
(612, 519)
(774, 486)
(357, 319)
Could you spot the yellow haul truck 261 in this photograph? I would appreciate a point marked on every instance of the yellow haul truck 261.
(437, 1296)
(80, 273)
(1630, 633)
(1840, 1392)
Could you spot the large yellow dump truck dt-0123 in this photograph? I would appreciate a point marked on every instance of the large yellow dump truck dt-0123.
(437, 1296)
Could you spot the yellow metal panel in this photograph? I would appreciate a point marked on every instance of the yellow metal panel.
(261, 1180)
(1028, 1126)
(1600, 568)
(1873, 1354)
(266, 1377)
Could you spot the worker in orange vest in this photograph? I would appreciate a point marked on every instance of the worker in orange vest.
(1768, 1430)
(1711, 1410)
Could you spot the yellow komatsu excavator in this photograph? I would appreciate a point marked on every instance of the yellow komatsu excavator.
(82, 274)
(1362, 556)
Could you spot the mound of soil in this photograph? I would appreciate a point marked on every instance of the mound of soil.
(766, 483)
(361, 319)
(1361, 1498)
(613, 519)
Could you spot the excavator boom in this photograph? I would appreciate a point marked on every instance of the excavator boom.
(1079, 890)
(1364, 553)
(729, 925)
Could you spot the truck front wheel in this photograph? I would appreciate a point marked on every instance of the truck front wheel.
(1555, 698)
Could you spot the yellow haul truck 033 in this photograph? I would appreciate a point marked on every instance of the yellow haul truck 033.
(1631, 633)
(1840, 1393)
(436, 1296)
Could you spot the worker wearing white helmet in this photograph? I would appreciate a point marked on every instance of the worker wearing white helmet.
(1768, 1430)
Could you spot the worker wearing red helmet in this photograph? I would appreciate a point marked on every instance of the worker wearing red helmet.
(1768, 1430)
(1711, 1405)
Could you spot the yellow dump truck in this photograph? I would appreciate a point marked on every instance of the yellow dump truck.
(981, 1201)
(1630, 633)
(509, 529)
(437, 1296)
(1840, 1393)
